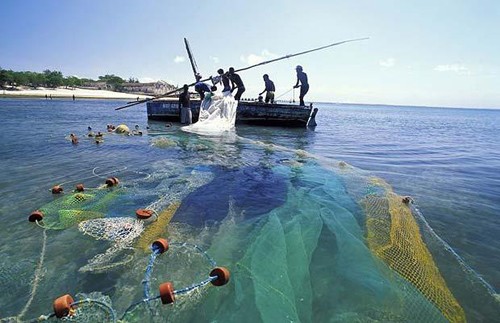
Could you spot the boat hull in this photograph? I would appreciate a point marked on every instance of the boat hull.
(285, 115)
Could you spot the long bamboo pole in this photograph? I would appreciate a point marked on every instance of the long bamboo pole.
(243, 69)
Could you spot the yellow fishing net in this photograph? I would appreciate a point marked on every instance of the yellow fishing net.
(156, 229)
(393, 235)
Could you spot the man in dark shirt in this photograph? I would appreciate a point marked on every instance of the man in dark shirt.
(184, 106)
(236, 83)
(269, 89)
(201, 87)
(304, 85)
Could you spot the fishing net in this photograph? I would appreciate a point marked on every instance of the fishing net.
(217, 114)
(393, 235)
(120, 231)
(69, 209)
(308, 261)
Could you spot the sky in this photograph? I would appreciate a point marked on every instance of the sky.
(443, 53)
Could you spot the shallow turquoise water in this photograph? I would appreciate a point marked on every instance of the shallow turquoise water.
(269, 203)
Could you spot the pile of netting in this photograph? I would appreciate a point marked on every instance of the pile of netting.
(217, 114)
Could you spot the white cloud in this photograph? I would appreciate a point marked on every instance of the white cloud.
(252, 59)
(214, 59)
(456, 68)
(390, 62)
(179, 59)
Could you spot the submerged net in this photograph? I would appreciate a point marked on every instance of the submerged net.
(120, 231)
(70, 209)
(393, 235)
(217, 114)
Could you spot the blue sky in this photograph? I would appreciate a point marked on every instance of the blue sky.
(433, 53)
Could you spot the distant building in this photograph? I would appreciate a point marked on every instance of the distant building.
(152, 88)
(155, 88)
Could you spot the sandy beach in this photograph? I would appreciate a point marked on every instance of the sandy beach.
(63, 92)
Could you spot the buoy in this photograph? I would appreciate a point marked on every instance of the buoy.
(57, 189)
(36, 216)
(222, 274)
(161, 244)
(62, 305)
(112, 181)
(143, 214)
(80, 188)
(167, 293)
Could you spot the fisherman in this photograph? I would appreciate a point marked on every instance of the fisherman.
(236, 82)
(304, 85)
(137, 131)
(222, 78)
(269, 89)
(201, 87)
(90, 132)
(74, 139)
(185, 106)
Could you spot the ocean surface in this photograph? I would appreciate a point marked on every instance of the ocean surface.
(300, 217)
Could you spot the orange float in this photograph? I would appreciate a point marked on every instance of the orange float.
(222, 274)
(80, 188)
(57, 189)
(112, 181)
(36, 216)
(143, 214)
(62, 306)
(167, 293)
(161, 244)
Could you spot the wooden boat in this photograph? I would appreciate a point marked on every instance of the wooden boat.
(248, 112)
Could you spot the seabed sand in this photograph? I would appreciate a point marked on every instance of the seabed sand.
(63, 92)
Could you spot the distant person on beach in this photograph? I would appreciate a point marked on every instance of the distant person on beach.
(236, 83)
(304, 85)
(185, 106)
(269, 89)
(73, 97)
(46, 97)
(201, 87)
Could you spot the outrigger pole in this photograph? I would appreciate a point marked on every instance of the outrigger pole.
(239, 70)
(191, 58)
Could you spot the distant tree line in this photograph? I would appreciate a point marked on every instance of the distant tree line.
(54, 79)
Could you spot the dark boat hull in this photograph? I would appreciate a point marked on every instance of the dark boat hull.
(255, 113)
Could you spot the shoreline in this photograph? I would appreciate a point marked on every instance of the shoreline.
(65, 93)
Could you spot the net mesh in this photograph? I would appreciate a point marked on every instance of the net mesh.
(120, 231)
(70, 209)
(393, 235)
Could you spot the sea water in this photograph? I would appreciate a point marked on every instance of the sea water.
(270, 204)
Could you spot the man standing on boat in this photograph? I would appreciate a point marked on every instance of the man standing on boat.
(201, 87)
(236, 82)
(184, 106)
(222, 78)
(269, 89)
(304, 85)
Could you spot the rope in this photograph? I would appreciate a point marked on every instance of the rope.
(37, 277)
(195, 286)
(284, 93)
(149, 271)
